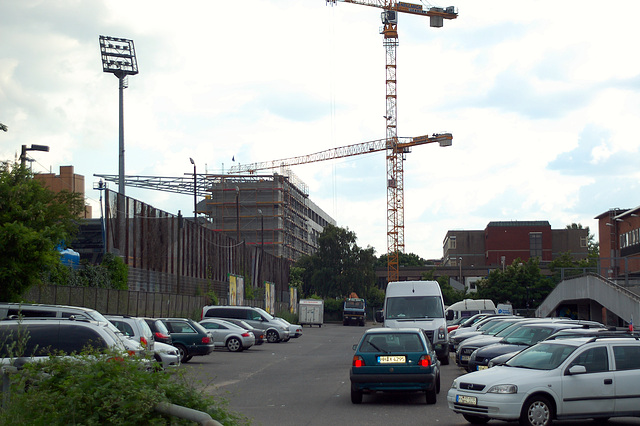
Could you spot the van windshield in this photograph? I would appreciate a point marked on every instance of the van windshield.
(414, 307)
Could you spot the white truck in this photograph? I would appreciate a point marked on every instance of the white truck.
(470, 307)
(418, 304)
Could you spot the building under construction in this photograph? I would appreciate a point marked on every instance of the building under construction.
(270, 211)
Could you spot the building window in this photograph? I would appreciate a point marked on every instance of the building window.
(452, 242)
(535, 244)
(584, 241)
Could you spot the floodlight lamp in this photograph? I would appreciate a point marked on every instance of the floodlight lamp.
(118, 56)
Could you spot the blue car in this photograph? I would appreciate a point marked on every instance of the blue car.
(394, 360)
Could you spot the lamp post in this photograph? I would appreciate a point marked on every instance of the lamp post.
(23, 154)
(238, 214)
(261, 246)
(195, 202)
(460, 265)
(119, 59)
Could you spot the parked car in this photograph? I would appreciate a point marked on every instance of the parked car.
(394, 359)
(47, 311)
(523, 337)
(577, 378)
(488, 326)
(295, 330)
(258, 333)
(189, 337)
(160, 331)
(226, 334)
(54, 336)
(255, 317)
(137, 328)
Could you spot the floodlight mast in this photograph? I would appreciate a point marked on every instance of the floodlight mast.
(119, 59)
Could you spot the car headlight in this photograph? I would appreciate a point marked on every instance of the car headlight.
(454, 384)
(503, 389)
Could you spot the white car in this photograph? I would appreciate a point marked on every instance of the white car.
(592, 377)
(168, 355)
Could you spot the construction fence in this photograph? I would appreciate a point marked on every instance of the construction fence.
(171, 254)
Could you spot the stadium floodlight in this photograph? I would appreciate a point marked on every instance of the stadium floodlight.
(119, 59)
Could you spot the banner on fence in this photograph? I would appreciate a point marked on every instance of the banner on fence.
(269, 297)
(293, 300)
(236, 290)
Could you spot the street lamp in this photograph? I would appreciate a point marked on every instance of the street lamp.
(119, 59)
(23, 154)
(195, 202)
(261, 230)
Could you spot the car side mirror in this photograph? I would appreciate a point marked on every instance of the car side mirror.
(449, 315)
(354, 347)
(379, 316)
(577, 369)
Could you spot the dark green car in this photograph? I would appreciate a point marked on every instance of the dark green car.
(392, 360)
(189, 337)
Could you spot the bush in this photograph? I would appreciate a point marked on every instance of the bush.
(94, 389)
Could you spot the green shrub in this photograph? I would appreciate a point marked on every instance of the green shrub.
(96, 389)
(333, 305)
(292, 318)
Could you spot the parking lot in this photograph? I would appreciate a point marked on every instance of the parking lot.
(306, 382)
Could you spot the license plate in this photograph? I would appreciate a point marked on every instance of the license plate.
(392, 359)
(466, 400)
(464, 357)
(482, 367)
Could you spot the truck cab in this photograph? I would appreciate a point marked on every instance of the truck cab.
(354, 311)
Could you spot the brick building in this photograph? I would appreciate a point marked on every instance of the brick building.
(66, 180)
(500, 243)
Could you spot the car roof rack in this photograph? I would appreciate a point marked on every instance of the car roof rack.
(615, 334)
(69, 318)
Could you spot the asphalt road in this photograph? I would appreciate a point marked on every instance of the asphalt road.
(306, 382)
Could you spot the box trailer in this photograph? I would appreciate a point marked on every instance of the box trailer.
(311, 312)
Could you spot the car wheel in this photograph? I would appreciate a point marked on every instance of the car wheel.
(184, 356)
(272, 336)
(234, 344)
(432, 396)
(356, 395)
(475, 420)
(438, 383)
(537, 411)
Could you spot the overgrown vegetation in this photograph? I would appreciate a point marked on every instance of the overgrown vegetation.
(94, 389)
(111, 273)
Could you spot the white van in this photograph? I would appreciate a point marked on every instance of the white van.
(469, 307)
(418, 304)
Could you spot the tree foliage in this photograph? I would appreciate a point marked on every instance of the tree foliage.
(520, 284)
(450, 294)
(404, 259)
(33, 221)
(339, 267)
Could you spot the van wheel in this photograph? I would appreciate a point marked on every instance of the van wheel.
(445, 360)
(272, 336)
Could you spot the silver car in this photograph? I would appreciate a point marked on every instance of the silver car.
(226, 334)
(138, 330)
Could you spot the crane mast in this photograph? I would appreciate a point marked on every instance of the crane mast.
(395, 155)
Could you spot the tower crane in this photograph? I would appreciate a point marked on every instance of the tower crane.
(395, 168)
(394, 146)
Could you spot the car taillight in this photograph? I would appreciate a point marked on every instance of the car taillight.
(424, 361)
(143, 341)
(245, 334)
(358, 361)
(161, 336)
(206, 340)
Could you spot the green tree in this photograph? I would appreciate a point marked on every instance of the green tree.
(339, 267)
(450, 294)
(404, 259)
(33, 221)
(522, 284)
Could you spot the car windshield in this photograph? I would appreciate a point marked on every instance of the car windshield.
(161, 327)
(265, 314)
(527, 335)
(414, 307)
(497, 328)
(543, 356)
(391, 342)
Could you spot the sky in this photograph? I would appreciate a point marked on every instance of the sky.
(542, 99)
